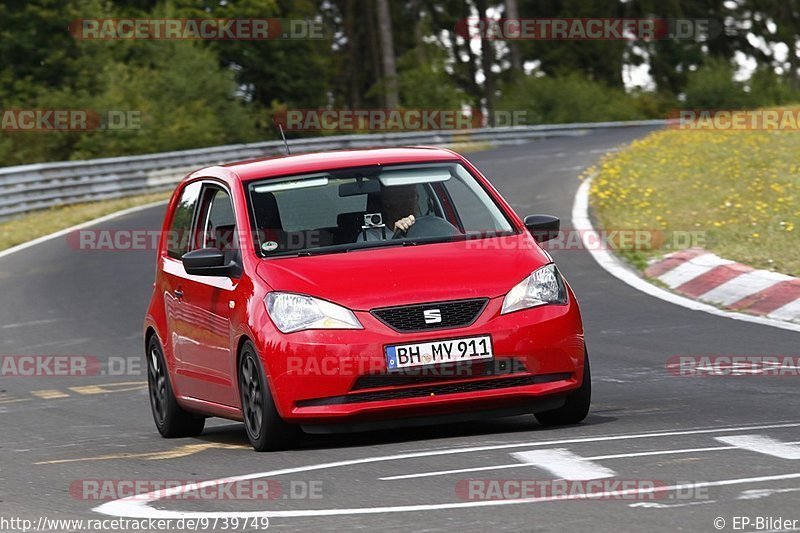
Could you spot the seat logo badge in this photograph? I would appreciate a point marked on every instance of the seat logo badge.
(432, 316)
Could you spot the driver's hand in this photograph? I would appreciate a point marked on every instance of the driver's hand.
(404, 223)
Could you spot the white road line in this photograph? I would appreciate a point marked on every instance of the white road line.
(757, 494)
(564, 464)
(763, 444)
(593, 458)
(656, 505)
(32, 323)
(692, 269)
(138, 505)
(617, 268)
(743, 286)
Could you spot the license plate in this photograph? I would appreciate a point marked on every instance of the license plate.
(430, 353)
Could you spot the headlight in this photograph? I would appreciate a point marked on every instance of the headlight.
(544, 286)
(293, 312)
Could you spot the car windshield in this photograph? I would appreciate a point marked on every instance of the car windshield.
(351, 209)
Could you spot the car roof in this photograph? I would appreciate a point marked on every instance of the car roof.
(276, 166)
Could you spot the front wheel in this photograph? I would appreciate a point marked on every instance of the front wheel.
(577, 405)
(171, 419)
(266, 430)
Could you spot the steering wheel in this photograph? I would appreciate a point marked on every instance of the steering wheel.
(428, 226)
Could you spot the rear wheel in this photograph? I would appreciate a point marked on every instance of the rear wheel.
(577, 405)
(266, 430)
(170, 418)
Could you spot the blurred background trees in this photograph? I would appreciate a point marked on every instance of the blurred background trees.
(376, 54)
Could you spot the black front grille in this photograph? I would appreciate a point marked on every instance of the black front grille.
(435, 390)
(455, 314)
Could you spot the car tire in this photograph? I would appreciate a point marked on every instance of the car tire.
(172, 421)
(577, 405)
(266, 430)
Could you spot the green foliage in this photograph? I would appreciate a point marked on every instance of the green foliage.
(183, 98)
(424, 83)
(713, 86)
(195, 94)
(568, 98)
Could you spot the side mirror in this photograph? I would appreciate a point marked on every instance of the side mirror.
(543, 227)
(209, 262)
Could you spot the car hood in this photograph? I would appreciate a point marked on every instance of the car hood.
(398, 275)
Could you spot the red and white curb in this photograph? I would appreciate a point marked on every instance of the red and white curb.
(699, 274)
(782, 317)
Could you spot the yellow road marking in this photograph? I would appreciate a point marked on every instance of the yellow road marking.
(104, 388)
(13, 400)
(180, 451)
(49, 394)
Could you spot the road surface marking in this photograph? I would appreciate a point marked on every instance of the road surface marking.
(104, 388)
(564, 464)
(176, 453)
(757, 494)
(8, 399)
(138, 506)
(656, 505)
(31, 323)
(594, 458)
(763, 444)
(49, 394)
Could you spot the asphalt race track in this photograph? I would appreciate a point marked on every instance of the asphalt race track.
(646, 424)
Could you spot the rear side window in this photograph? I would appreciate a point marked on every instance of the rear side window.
(180, 230)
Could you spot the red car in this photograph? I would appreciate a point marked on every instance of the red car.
(354, 290)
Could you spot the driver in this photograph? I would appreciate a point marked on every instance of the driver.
(398, 204)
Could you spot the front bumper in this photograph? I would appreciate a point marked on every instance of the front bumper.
(340, 376)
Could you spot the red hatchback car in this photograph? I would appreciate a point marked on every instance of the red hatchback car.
(353, 290)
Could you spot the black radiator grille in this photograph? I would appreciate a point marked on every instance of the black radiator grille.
(428, 316)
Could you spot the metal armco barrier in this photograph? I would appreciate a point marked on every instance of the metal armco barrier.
(28, 188)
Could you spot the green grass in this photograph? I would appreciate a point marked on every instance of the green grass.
(737, 193)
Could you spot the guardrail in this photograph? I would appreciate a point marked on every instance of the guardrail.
(31, 187)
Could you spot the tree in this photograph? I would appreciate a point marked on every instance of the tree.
(387, 54)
